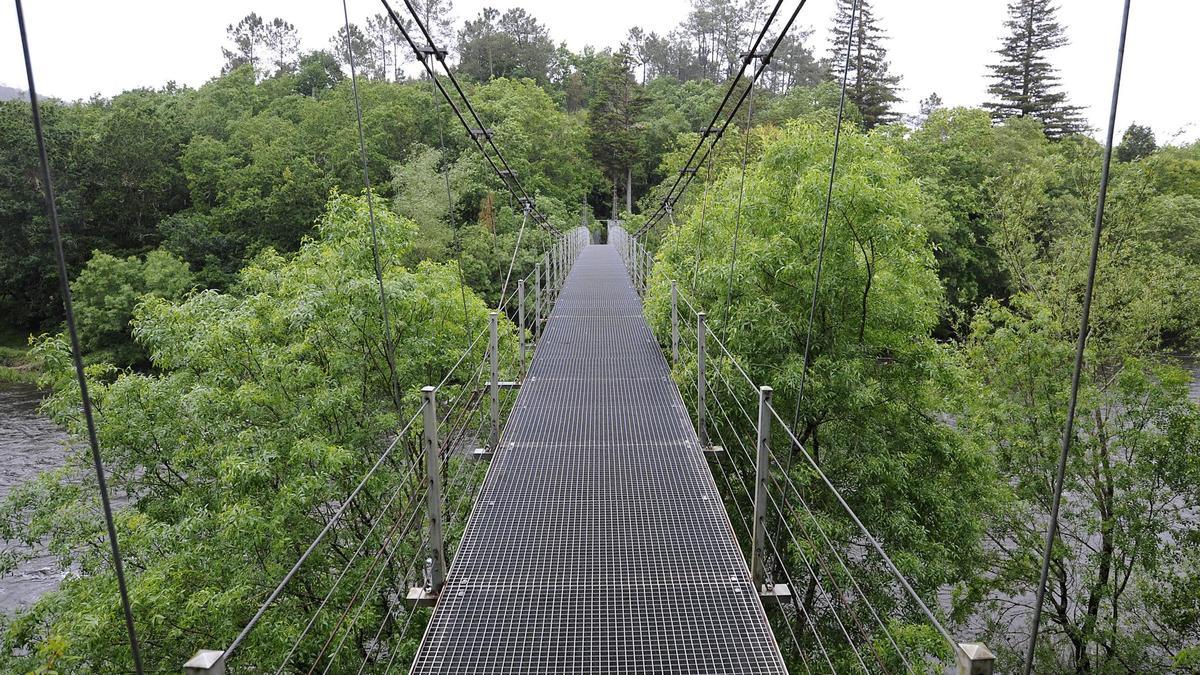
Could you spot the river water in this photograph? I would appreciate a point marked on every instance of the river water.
(29, 444)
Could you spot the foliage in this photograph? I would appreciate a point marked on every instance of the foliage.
(513, 45)
(109, 289)
(876, 377)
(611, 113)
(871, 86)
(268, 405)
(1138, 142)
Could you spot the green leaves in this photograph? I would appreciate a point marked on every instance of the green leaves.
(267, 406)
(875, 386)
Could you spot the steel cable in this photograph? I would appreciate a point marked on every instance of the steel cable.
(1080, 345)
(76, 349)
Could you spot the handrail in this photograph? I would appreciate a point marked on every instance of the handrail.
(963, 652)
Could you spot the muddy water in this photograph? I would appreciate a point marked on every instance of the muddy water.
(29, 444)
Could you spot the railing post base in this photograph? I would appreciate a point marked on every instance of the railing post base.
(419, 596)
(974, 658)
(206, 662)
(778, 591)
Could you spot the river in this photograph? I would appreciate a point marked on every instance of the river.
(29, 444)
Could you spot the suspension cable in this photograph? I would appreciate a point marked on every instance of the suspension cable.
(456, 236)
(388, 345)
(507, 176)
(737, 223)
(1080, 345)
(812, 306)
(700, 229)
(76, 350)
(688, 172)
(513, 260)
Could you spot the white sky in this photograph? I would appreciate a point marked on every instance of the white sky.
(83, 47)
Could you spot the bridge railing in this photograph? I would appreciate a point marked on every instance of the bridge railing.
(838, 601)
(384, 550)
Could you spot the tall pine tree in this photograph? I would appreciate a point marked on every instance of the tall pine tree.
(1024, 83)
(870, 86)
(612, 112)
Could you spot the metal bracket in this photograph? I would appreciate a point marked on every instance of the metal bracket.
(712, 131)
(508, 173)
(765, 57)
(419, 596)
(481, 133)
(777, 591)
(713, 449)
(424, 51)
(688, 169)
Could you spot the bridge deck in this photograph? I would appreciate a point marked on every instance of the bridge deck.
(599, 542)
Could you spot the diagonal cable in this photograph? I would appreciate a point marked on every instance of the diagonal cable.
(76, 350)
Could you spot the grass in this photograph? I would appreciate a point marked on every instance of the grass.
(15, 362)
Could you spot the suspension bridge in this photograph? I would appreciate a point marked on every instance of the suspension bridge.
(558, 505)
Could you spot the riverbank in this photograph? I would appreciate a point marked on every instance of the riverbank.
(16, 364)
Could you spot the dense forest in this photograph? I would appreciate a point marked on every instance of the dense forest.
(220, 248)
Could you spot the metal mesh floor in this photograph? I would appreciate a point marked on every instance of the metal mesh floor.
(599, 543)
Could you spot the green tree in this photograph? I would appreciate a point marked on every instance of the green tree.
(612, 112)
(246, 38)
(281, 44)
(876, 378)
(109, 289)
(267, 406)
(1025, 83)
(953, 153)
(1120, 568)
(1138, 142)
(362, 44)
(871, 86)
(317, 73)
(513, 44)
(29, 299)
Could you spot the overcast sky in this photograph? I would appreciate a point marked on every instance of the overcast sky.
(84, 47)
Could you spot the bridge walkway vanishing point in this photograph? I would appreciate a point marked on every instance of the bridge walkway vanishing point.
(599, 542)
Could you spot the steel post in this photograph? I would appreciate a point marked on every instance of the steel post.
(521, 322)
(494, 385)
(701, 409)
(761, 476)
(973, 658)
(674, 323)
(433, 469)
(537, 302)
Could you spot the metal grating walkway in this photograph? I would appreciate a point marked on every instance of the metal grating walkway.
(599, 543)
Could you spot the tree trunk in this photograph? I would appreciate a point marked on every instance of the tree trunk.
(615, 213)
(629, 188)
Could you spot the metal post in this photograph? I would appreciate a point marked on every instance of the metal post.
(674, 324)
(206, 662)
(635, 256)
(537, 301)
(758, 570)
(974, 658)
(701, 410)
(494, 385)
(437, 556)
(521, 322)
